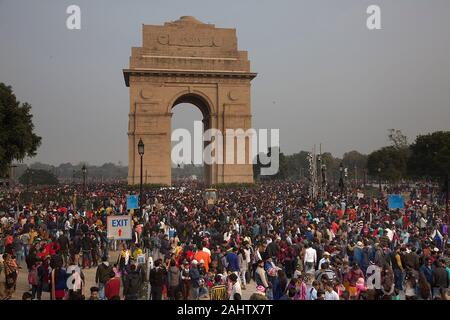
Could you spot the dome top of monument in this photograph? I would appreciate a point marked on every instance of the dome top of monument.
(189, 19)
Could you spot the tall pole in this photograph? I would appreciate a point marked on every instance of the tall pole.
(28, 180)
(324, 180)
(447, 193)
(141, 153)
(345, 179)
(84, 170)
(318, 169)
(140, 186)
(341, 179)
(84, 183)
(320, 172)
(379, 180)
(314, 173)
(365, 178)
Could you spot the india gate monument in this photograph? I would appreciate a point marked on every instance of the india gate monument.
(186, 61)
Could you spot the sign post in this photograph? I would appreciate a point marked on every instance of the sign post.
(132, 202)
(395, 201)
(119, 227)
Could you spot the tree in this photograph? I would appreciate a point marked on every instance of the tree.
(38, 177)
(398, 139)
(332, 167)
(282, 166)
(430, 155)
(17, 137)
(297, 165)
(354, 158)
(391, 161)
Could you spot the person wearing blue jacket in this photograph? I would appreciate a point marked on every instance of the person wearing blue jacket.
(358, 253)
(427, 271)
(194, 274)
(58, 283)
(233, 260)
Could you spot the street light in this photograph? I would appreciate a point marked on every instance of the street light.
(84, 170)
(365, 178)
(447, 191)
(29, 179)
(341, 177)
(319, 166)
(141, 153)
(379, 179)
(324, 178)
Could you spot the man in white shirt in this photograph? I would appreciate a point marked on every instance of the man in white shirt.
(236, 286)
(311, 293)
(227, 236)
(310, 259)
(326, 258)
(330, 294)
(423, 222)
(389, 233)
(67, 226)
(247, 252)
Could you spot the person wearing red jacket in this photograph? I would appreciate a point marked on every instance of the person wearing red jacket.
(352, 278)
(112, 288)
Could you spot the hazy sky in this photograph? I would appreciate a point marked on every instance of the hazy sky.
(323, 77)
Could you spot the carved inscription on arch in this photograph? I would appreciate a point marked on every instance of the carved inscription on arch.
(189, 40)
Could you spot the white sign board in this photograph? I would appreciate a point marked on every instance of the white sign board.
(141, 259)
(119, 227)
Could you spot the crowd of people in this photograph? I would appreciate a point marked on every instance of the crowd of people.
(270, 241)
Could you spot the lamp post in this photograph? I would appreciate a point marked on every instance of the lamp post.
(379, 179)
(345, 179)
(447, 191)
(29, 179)
(341, 178)
(365, 178)
(141, 153)
(324, 179)
(319, 180)
(84, 170)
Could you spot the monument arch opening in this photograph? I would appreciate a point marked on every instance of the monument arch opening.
(188, 126)
(186, 61)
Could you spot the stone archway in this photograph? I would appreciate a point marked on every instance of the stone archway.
(186, 61)
(202, 103)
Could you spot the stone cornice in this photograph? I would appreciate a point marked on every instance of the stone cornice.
(186, 73)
